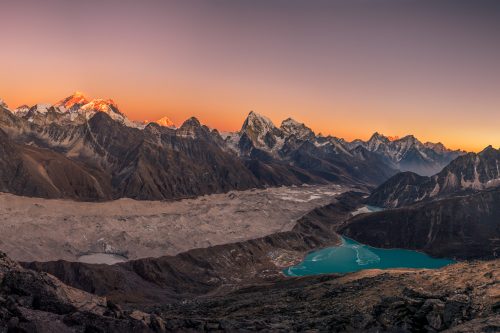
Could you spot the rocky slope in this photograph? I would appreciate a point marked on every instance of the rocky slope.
(38, 302)
(460, 298)
(463, 227)
(33, 171)
(468, 173)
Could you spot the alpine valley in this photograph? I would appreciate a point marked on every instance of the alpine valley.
(114, 225)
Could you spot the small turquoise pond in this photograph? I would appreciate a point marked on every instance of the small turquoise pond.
(352, 256)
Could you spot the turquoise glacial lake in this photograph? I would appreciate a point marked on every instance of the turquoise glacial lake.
(352, 256)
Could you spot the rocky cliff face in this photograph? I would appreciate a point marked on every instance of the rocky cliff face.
(468, 173)
(464, 227)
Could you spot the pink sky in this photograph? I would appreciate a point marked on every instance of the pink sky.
(346, 68)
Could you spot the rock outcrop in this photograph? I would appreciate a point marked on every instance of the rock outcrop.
(38, 302)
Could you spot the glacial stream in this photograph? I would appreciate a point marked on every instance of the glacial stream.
(352, 256)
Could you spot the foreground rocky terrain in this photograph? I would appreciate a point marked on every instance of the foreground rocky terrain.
(463, 297)
(38, 302)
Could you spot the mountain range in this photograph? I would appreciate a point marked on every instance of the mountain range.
(444, 203)
(89, 150)
(409, 154)
(468, 173)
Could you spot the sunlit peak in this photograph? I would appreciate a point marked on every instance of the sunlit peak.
(76, 98)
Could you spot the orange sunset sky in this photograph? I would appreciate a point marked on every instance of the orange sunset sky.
(346, 68)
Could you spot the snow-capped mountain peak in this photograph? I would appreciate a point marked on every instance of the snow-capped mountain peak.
(190, 128)
(378, 136)
(3, 104)
(77, 99)
(107, 106)
(262, 132)
(408, 139)
(78, 104)
(21, 111)
(437, 147)
(73, 109)
(41, 108)
(166, 122)
(299, 130)
(102, 105)
(408, 153)
(258, 122)
(376, 141)
(290, 122)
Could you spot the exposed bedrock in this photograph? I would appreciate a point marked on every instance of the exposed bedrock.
(462, 227)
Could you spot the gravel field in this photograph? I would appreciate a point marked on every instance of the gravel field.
(34, 229)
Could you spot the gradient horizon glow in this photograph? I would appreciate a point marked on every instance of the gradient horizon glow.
(346, 68)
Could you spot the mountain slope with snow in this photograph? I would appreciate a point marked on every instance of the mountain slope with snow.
(165, 122)
(468, 173)
(409, 154)
(74, 109)
(159, 161)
